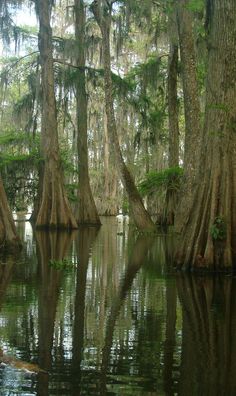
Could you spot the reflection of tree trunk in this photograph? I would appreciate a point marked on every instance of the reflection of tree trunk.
(137, 257)
(84, 242)
(51, 246)
(5, 277)
(171, 299)
(208, 342)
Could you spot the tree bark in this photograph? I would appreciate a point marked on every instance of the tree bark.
(191, 110)
(173, 114)
(9, 240)
(87, 213)
(142, 219)
(54, 209)
(209, 239)
(110, 204)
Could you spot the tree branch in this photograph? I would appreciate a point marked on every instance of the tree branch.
(19, 60)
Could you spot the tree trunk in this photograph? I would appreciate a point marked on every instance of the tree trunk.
(87, 213)
(9, 241)
(209, 239)
(110, 206)
(141, 217)
(173, 112)
(54, 209)
(173, 115)
(191, 110)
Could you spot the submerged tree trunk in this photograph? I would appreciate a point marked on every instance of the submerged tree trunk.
(141, 217)
(87, 210)
(209, 239)
(9, 241)
(191, 110)
(54, 209)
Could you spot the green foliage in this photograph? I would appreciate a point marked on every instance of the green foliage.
(196, 5)
(64, 264)
(168, 178)
(71, 189)
(218, 229)
(125, 206)
(19, 161)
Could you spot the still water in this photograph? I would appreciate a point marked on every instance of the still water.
(101, 313)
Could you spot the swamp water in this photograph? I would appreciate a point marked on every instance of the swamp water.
(102, 314)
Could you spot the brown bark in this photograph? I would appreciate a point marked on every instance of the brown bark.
(110, 206)
(173, 115)
(87, 213)
(209, 239)
(191, 110)
(140, 216)
(173, 112)
(54, 209)
(9, 241)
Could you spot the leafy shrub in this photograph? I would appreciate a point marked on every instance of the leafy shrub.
(169, 178)
(218, 229)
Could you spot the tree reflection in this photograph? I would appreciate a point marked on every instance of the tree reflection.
(136, 259)
(5, 277)
(51, 246)
(171, 317)
(208, 343)
(169, 344)
(84, 241)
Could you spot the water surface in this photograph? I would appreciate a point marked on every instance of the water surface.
(102, 313)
